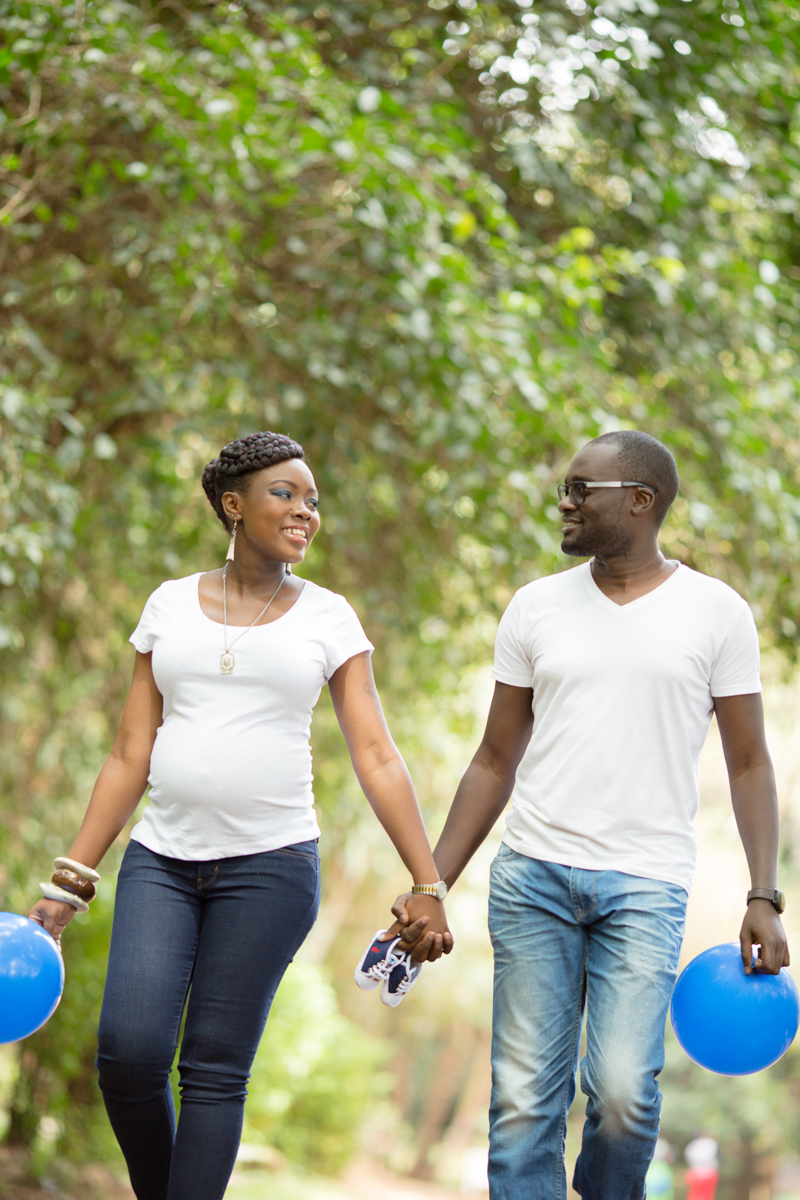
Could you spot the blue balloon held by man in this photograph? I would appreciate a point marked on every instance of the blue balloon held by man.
(730, 1021)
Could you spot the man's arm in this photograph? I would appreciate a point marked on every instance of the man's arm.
(483, 792)
(755, 806)
(488, 781)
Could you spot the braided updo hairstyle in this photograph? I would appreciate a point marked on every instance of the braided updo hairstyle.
(232, 471)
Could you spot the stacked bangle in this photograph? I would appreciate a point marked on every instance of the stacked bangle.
(72, 883)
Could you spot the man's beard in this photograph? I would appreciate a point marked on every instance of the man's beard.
(608, 543)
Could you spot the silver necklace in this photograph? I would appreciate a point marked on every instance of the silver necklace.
(226, 660)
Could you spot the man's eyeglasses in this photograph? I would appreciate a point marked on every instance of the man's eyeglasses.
(576, 489)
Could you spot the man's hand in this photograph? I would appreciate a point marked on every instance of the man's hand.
(422, 926)
(762, 928)
(53, 915)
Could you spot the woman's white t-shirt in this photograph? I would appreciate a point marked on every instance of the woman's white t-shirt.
(622, 700)
(230, 771)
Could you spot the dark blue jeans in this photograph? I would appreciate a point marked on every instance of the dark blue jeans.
(221, 933)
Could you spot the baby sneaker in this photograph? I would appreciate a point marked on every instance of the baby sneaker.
(400, 980)
(378, 961)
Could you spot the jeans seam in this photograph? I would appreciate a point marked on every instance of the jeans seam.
(577, 910)
(202, 882)
(312, 905)
(314, 898)
(316, 888)
(564, 1105)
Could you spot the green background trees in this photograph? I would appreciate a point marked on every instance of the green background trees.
(440, 244)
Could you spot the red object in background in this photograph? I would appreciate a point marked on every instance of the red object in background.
(701, 1183)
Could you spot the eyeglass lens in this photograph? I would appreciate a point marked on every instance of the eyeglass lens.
(576, 492)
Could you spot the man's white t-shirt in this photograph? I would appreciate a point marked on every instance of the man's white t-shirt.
(622, 702)
(230, 771)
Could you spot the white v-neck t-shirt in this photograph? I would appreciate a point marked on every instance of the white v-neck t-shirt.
(230, 771)
(622, 701)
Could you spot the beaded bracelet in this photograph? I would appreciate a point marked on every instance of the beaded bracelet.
(70, 864)
(72, 883)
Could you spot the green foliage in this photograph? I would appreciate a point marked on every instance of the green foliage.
(345, 221)
(316, 1076)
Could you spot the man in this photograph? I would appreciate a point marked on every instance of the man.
(606, 679)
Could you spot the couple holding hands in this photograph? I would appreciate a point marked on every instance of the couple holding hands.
(606, 679)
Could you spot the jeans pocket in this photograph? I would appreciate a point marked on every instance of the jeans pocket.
(505, 854)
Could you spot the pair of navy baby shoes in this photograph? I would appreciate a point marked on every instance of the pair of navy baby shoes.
(388, 966)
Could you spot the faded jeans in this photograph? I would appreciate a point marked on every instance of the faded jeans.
(221, 933)
(568, 940)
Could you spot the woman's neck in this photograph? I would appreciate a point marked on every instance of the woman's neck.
(255, 576)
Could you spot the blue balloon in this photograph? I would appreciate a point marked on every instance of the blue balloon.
(730, 1022)
(31, 976)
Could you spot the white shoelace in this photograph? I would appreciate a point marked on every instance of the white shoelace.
(407, 980)
(384, 968)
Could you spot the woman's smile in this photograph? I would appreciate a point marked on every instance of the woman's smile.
(297, 533)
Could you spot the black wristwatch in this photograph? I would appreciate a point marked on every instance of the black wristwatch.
(775, 897)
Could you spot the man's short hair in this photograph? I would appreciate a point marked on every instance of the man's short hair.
(646, 460)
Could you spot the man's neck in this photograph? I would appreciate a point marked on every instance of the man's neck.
(624, 578)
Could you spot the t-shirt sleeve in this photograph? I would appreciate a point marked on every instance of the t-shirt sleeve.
(144, 635)
(736, 670)
(512, 662)
(345, 636)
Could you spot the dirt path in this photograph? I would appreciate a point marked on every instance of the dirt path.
(362, 1181)
(367, 1180)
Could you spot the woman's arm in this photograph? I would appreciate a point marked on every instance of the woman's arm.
(387, 785)
(119, 788)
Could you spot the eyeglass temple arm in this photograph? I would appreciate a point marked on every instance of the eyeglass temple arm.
(607, 483)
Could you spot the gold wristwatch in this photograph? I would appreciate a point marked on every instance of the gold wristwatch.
(438, 889)
(775, 897)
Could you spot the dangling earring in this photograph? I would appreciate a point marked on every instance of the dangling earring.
(231, 545)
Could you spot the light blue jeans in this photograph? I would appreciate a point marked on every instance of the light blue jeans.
(566, 940)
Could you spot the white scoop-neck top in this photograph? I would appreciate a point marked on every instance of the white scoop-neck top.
(231, 770)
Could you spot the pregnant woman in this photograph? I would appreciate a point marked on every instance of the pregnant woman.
(219, 885)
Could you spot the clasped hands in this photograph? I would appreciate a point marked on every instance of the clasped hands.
(422, 925)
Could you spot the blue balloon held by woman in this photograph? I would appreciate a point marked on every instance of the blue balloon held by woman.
(31, 977)
(730, 1022)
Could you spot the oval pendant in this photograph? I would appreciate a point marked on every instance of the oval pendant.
(226, 661)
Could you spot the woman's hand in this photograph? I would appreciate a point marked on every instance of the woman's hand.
(53, 915)
(422, 925)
